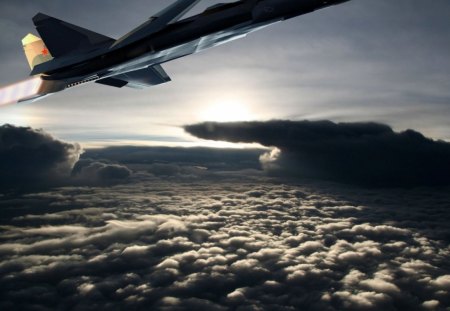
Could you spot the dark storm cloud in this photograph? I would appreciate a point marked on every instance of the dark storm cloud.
(362, 153)
(229, 245)
(32, 158)
(29, 156)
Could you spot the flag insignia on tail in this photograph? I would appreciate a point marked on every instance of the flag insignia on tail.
(35, 50)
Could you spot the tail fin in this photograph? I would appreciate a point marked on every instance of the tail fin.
(35, 50)
(63, 38)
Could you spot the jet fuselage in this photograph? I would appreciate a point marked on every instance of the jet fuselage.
(68, 55)
(208, 29)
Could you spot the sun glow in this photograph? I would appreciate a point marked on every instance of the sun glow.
(226, 110)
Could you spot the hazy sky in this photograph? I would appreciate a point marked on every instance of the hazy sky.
(366, 60)
(336, 217)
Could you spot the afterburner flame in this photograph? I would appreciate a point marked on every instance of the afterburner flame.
(16, 92)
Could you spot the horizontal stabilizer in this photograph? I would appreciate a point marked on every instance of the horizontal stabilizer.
(157, 22)
(62, 38)
(138, 79)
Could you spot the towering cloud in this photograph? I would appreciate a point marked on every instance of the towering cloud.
(33, 157)
(361, 153)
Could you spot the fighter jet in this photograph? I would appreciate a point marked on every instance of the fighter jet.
(66, 56)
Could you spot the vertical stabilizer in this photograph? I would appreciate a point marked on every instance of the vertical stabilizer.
(35, 50)
(62, 38)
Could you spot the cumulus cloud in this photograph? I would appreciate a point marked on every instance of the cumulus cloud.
(33, 157)
(362, 153)
(243, 245)
(88, 171)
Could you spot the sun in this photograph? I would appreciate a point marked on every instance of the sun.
(226, 110)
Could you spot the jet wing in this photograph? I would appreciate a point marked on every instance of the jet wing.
(138, 79)
(157, 22)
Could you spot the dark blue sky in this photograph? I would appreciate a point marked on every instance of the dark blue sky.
(366, 60)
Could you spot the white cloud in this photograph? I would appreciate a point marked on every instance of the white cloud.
(380, 286)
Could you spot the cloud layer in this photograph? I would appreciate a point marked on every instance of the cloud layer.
(168, 245)
(362, 153)
(208, 231)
